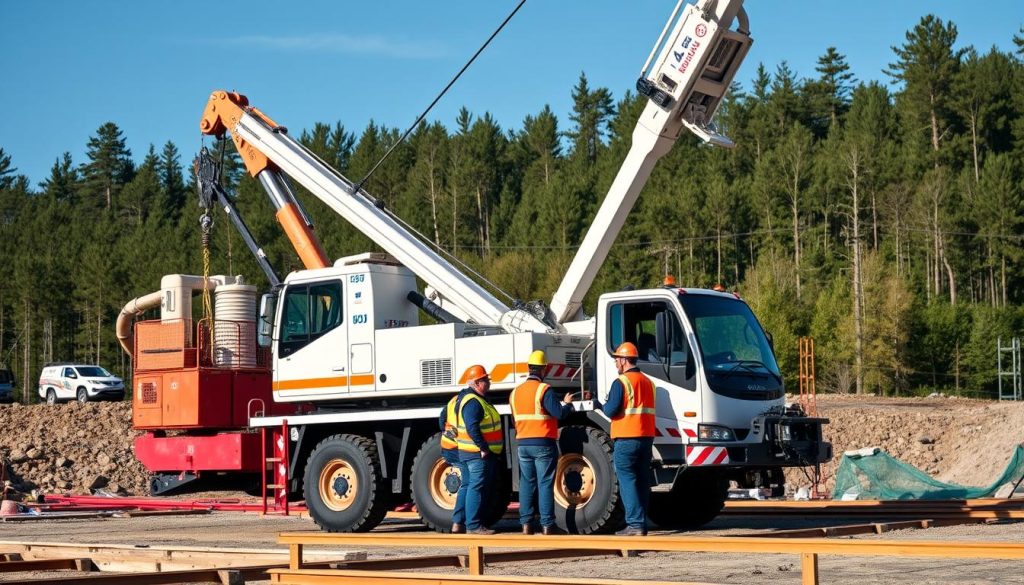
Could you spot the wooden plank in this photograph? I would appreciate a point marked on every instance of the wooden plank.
(295, 556)
(476, 560)
(44, 565)
(809, 568)
(674, 543)
(55, 516)
(321, 577)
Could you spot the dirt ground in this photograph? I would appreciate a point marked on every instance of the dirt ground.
(249, 530)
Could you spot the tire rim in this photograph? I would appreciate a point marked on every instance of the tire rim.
(338, 484)
(575, 481)
(440, 474)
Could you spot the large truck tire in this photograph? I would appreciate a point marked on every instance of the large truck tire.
(697, 497)
(586, 490)
(343, 484)
(435, 485)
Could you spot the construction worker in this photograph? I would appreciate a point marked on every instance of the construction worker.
(537, 411)
(450, 452)
(630, 406)
(480, 442)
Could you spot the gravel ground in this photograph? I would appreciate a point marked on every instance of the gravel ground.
(249, 530)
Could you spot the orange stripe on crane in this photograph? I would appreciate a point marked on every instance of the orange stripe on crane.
(314, 383)
(223, 112)
(501, 371)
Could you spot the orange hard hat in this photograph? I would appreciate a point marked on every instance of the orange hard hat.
(474, 373)
(626, 350)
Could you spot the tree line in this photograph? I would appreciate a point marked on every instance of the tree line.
(884, 217)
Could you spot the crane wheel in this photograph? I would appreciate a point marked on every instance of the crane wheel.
(435, 485)
(586, 491)
(343, 485)
(696, 499)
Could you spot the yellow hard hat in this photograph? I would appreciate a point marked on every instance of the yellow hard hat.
(537, 358)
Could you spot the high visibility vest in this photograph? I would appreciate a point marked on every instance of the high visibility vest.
(532, 420)
(637, 416)
(490, 427)
(449, 433)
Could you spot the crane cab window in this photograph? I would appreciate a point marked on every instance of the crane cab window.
(637, 322)
(309, 312)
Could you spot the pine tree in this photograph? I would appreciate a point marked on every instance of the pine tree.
(837, 82)
(110, 165)
(927, 65)
(6, 170)
(63, 182)
(591, 112)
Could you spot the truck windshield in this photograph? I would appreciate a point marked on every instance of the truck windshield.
(93, 372)
(738, 359)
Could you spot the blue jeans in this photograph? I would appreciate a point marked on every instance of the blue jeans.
(632, 459)
(481, 476)
(459, 513)
(536, 483)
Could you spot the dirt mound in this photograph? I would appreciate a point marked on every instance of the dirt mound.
(955, 440)
(71, 448)
(75, 448)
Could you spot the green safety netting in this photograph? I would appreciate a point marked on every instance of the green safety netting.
(873, 474)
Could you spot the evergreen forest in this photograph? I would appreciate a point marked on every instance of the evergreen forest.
(882, 217)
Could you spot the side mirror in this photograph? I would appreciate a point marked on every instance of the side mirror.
(265, 323)
(771, 339)
(663, 335)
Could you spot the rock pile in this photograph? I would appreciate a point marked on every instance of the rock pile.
(76, 448)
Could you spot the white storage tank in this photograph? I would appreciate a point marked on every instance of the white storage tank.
(234, 329)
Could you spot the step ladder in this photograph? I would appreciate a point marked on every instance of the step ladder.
(275, 470)
(274, 474)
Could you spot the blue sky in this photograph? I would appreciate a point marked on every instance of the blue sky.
(70, 66)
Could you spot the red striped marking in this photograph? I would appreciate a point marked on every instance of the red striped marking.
(722, 457)
(674, 432)
(690, 433)
(703, 456)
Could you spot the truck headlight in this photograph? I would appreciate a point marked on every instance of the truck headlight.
(714, 433)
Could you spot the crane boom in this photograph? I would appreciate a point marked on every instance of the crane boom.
(695, 66)
(266, 148)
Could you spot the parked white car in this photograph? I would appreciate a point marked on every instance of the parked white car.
(81, 382)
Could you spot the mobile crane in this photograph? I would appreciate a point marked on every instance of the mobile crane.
(337, 369)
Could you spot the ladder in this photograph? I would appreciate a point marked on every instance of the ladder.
(274, 477)
(1012, 390)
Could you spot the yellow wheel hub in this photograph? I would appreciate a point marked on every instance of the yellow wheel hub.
(443, 478)
(574, 481)
(338, 484)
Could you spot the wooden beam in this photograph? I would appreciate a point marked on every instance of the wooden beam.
(46, 565)
(319, 577)
(809, 567)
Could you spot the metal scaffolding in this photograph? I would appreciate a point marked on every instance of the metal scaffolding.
(1012, 389)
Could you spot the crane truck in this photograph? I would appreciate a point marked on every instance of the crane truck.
(334, 375)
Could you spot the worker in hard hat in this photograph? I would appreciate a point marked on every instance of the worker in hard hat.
(450, 453)
(537, 411)
(630, 406)
(480, 442)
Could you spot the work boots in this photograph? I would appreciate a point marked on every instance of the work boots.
(552, 530)
(527, 529)
(458, 529)
(483, 530)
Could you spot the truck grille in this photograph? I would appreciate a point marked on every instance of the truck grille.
(436, 372)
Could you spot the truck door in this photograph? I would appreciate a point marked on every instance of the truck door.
(664, 355)
(311, 356)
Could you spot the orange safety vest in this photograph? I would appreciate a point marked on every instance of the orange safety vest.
(490, 427)
(532, 420)
(450, 432)
(636, 419)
